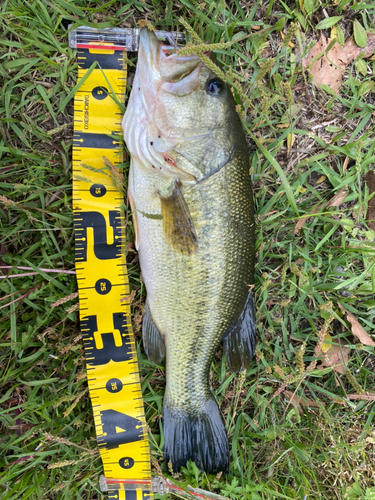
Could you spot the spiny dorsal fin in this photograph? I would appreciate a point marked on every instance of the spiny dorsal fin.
(178, 226)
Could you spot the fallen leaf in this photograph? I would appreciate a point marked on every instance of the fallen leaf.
(339, 198)
(302, 220)
(333, 202)
(327, 343)
(299, 402)
(290, 139)
(345, 165)
(321, 179)
(357, 329)
(317, 49)
(329, 68)
(370, 181)
(336, 357)
(352, 50)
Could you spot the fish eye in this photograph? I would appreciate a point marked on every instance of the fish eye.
(214, 86)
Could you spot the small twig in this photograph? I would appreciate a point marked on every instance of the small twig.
(63, 271)
(22, 297)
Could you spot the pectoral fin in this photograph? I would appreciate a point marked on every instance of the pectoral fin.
(153, 341)
(239, 343)
(178, 226)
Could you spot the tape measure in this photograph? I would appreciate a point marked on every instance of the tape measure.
(112, 368)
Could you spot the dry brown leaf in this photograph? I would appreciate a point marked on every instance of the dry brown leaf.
(329, 68)
(345, 165)
(333, 202)
(336, 357)
(298, 401)
(338, 198)
(370, 181)
(318, 48)
(352, 51)
(302, 220)
(368, 396)
(357, 329)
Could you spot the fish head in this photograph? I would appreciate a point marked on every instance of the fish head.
(181, 117)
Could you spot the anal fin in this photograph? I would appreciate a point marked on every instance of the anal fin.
(178, 226)
(153, 341)
(239, 343)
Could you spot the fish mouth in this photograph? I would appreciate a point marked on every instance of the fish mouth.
(150, 131)
(157, 68)
(157, 74)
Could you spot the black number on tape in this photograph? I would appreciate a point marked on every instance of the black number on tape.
(98, 190)
(103, 286)
(109, 351)
(103, 251)
(126, 462)
(114, 385)
(99, 93)
(119, 428)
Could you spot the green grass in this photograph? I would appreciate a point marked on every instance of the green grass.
(47, 437)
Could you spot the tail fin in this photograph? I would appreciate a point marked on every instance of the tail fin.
(199, 436)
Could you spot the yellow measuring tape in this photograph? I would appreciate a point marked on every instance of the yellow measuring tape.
(112, 368)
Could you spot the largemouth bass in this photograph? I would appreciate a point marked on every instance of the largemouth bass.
(190, 193)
